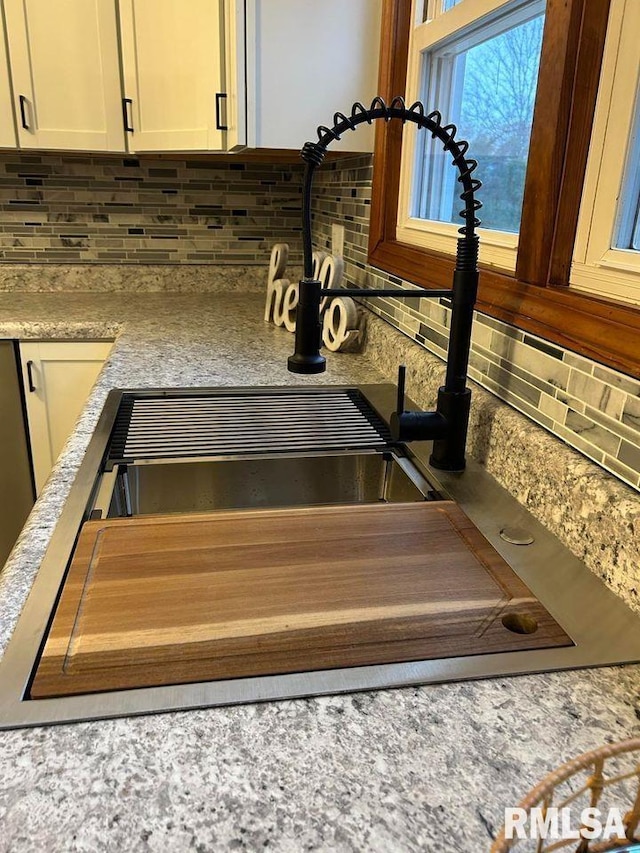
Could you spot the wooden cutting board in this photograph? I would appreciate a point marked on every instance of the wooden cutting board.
(174, 599)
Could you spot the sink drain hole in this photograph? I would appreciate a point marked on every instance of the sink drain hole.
(520, 623)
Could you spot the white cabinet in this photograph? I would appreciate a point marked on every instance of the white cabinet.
(185, 75)
(180, 74)
(7, 126)
(184, 71)
(66, 74)
(305, 62)
(57, 380)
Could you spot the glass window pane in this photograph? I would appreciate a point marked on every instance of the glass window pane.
(485, 83)
(431, 8)
(628, 226)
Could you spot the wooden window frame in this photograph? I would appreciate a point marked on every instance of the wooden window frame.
(537, 298)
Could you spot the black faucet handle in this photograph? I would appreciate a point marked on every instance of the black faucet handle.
(402, 373)
(414, 426)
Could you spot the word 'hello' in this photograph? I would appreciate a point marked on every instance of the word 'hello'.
(342, 322)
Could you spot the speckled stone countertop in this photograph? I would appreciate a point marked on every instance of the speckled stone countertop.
(427, 768)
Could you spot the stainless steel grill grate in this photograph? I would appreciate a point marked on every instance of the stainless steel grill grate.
(232, 423)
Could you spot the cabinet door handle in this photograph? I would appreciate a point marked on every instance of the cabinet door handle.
(219, 97)
(127, 103)
(23, 112)
(32, 386)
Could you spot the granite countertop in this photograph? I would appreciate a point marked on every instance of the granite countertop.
(429, 768)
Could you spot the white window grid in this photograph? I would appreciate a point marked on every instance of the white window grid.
(609, 207)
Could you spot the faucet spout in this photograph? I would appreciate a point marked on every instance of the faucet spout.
(307, 357)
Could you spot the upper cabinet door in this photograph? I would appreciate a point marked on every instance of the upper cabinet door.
(66, 77)
(7, 126)
(174, 67)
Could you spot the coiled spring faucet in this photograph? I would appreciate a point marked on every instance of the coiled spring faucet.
(447, 425)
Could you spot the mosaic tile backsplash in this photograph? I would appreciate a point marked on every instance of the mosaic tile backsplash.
(59, 208)
(594, 409)
(69, 213)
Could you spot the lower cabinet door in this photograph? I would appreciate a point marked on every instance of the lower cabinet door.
(57, 380)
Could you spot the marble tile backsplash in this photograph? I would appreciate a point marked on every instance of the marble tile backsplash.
(592, 408)
(68, 208)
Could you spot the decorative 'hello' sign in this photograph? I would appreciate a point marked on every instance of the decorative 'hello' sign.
(342, 320)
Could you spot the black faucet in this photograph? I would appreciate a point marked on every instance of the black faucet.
(447, 426)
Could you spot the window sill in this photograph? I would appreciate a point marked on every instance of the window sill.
(603, 330)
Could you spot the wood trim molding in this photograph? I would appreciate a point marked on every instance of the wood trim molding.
(549, 138)
(607, 332)
(582, 108)
(603, 330)
(394, 47)
(245, 155)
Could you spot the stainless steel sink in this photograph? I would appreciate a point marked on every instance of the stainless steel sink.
(256, 482)
(251, 449)
(180, 450)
